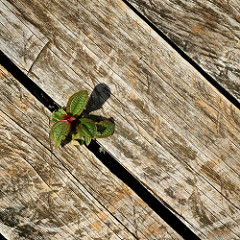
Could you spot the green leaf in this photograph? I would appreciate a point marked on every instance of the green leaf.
(77, 135)
(75, 143)
(83, 131)
(90, 125)
(88, 140)
(104, 129)
(58, 115)
(59, 131)
(77, 102)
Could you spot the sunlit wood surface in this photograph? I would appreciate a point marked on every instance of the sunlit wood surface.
(207, 31)
(174, 131)
(64, 194)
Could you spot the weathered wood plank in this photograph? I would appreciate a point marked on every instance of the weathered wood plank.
(186, 147)
(66, 194)
(25, 47)
(208, 31)
(39, 193)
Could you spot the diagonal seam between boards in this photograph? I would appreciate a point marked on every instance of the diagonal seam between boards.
(210, 79)
(162, 209)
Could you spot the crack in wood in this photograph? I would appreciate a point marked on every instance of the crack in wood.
(173, 140)
(211, 80)
(163, 210)
(39, 54)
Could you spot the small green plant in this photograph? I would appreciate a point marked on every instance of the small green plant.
(80, 128)
(102, 150)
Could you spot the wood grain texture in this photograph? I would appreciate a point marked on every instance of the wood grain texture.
(25, 47)
(64, 194)
(207, 31)
(174, 131)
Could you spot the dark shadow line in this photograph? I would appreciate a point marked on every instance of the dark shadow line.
(210, 79)
(2, 237)
(33, 88)
(106, 158)
(117, 169)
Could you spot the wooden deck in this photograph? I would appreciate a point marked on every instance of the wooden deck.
(207, 31)
(176, 134)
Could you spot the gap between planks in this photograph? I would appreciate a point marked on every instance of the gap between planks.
(35, 72)
(163, 210)
(208, 51)
(80, 173)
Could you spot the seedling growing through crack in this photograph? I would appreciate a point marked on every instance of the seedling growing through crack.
(74, 124)
(102, 150)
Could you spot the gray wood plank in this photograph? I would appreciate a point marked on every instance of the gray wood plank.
(25, 47)
(180, 138)
(66, 193)
(207, 31)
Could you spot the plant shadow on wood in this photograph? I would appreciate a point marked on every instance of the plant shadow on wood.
(98, 97)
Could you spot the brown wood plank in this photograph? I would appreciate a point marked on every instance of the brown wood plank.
(66, 194)
(180, 138)
(207, 31)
